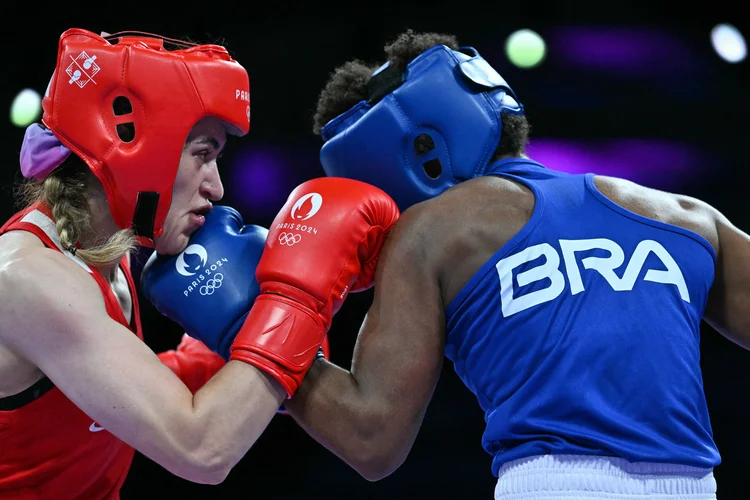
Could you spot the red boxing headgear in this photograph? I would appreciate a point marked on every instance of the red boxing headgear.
(126, 105)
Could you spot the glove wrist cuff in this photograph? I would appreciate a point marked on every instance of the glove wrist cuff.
(280, 337)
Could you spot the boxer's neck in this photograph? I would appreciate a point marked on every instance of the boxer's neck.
(508, 155)
(103, 226)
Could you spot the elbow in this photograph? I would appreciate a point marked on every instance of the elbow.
(380, 450)
(203, 467)
(213, 467)
(375, 471)
(212, 476)
(377, 465)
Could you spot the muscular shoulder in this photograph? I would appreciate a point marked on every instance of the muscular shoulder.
(675, 209)
(462, 210)
(455, 233)
(46, 286)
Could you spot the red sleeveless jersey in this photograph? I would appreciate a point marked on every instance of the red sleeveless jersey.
(49, 448)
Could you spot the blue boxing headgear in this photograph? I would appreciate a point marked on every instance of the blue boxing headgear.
(422, 130)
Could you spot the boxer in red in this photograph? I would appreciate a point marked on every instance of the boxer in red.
(126, 156)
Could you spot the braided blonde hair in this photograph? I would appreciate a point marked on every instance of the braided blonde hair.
(67, 192)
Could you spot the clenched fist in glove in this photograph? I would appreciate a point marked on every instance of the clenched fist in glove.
(324, 244)
(209, 288)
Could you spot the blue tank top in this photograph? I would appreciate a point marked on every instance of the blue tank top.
(581, 334)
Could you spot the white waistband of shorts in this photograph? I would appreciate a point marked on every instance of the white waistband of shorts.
(590, 477)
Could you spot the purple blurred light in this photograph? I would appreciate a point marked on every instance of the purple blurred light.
(655, 163)
(260, 179)
(627, 51)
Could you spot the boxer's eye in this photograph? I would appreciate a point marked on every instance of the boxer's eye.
(206, 156)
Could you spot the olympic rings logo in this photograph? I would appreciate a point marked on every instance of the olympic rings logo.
(212, 284)
(289, 239)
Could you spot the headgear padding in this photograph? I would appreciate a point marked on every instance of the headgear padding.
(125, 105)
(424, 129)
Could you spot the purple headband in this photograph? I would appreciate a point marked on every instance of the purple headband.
(41, 152)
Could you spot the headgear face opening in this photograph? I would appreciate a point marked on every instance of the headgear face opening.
(424, 130)
(126, 105)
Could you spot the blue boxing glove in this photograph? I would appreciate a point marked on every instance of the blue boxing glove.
(210, 287)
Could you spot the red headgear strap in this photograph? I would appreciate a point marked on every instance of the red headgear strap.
(125, 105)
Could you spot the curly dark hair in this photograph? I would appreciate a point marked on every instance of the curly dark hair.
(347, 86)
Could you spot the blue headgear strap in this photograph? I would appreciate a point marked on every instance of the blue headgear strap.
(422, 130)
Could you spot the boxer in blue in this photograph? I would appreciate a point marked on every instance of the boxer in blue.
(570, 305)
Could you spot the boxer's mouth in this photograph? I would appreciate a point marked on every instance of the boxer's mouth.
(197, 217)
(203, 210)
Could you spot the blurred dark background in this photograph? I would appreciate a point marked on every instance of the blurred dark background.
(636, 89)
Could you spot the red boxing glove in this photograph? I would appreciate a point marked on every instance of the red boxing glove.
(324, 244)
(323, 352)
(193, 362)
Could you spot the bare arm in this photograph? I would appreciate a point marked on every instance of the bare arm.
(56, 319)
(728, 308)
(369, 417)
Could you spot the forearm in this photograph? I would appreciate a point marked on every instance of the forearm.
(347, 416)
(225, 419)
